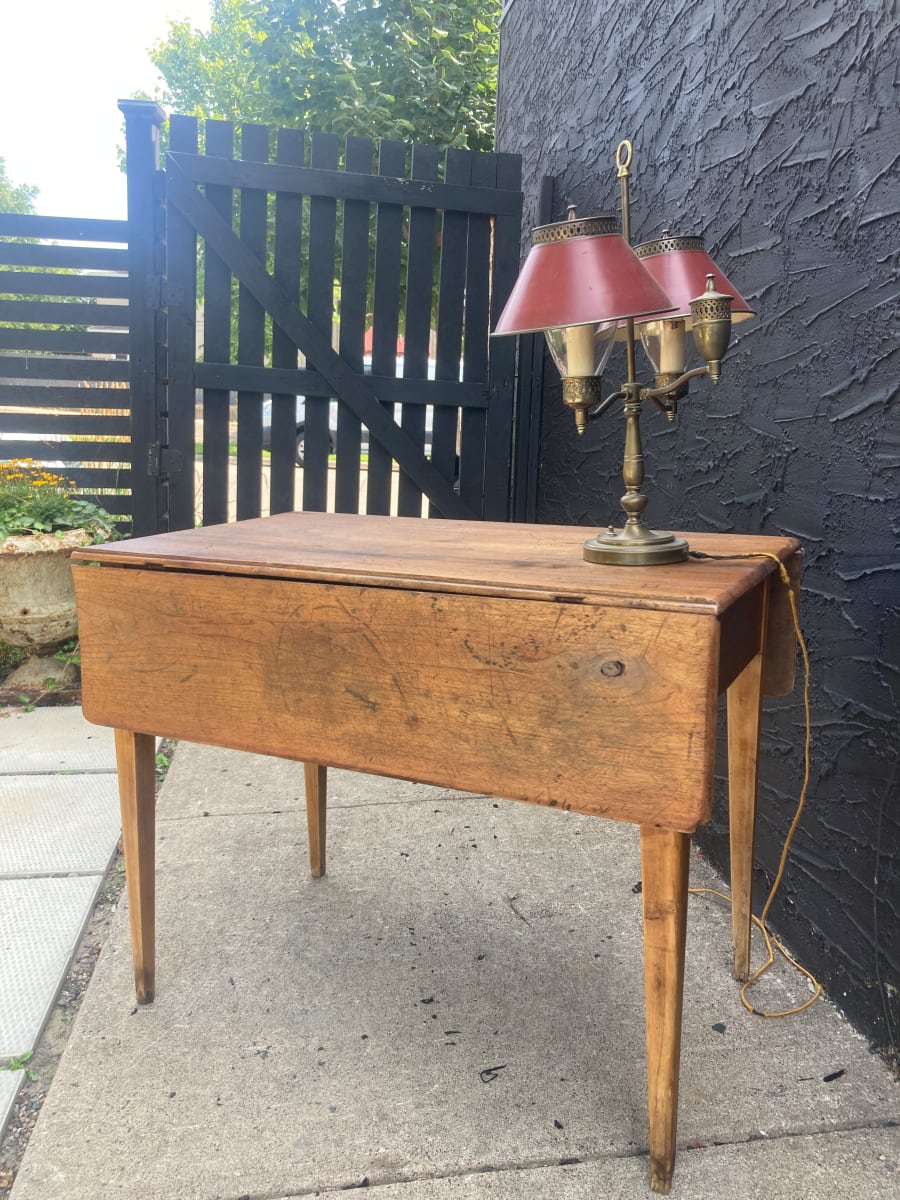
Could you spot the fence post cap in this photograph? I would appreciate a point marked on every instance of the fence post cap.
(147, 110)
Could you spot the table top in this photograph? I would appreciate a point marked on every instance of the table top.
(541, 562)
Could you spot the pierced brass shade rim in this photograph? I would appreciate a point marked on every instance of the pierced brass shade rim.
(668, 245)
(563, 231)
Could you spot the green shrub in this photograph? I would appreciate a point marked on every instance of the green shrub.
(33, 500)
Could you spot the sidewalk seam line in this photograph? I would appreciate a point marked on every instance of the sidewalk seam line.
(301, 809)
(544, 1164)
(61, 772)
(20, 875)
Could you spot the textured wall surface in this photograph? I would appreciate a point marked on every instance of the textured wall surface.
(773, 131)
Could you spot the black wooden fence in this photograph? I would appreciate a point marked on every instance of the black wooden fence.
(239, 278)
(291, 270)
(64, 370)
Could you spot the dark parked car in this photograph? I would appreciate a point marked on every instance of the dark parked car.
(300, 428)
(332, 417)
(300, 420)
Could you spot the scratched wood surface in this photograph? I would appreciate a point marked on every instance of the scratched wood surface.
(482, 557)
(605, 711)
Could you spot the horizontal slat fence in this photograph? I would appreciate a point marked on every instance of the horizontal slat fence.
(64, 338)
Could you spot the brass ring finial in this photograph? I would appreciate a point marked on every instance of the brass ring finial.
(623, 159)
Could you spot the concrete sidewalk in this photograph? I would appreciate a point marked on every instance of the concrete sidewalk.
(454, 1011)
(59, 824)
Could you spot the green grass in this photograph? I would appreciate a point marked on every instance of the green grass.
(11, 657)
(19, 1064)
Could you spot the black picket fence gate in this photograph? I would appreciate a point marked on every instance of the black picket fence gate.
(364, 279)
(138, 357)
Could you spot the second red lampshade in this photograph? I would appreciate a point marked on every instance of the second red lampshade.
(680, 266)
(580, 272)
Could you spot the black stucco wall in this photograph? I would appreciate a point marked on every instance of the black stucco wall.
(773, 131)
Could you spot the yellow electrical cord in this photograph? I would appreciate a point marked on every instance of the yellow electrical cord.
(772, 943)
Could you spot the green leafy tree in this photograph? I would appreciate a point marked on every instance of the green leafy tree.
(383, 68)
(211, 74)
(403, 69)
(20, 198)
(15, 197)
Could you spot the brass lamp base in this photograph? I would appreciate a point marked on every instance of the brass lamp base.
(635, 546)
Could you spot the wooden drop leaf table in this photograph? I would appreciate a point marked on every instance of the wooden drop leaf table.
(482, 657)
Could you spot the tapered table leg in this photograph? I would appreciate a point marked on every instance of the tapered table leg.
(744, 700)
(664, 874)
(316, 794)
(136, 762)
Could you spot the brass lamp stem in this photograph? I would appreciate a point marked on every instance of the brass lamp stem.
(635, 544)
(623, 164)
(634, 501)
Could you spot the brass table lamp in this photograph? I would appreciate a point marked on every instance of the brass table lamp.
(585, 288)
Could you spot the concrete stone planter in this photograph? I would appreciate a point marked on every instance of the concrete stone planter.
(37, 597)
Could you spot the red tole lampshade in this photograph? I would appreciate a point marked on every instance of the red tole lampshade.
(680, 266)
(580, 272)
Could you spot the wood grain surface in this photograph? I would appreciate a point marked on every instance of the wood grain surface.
(605, 711)
(477, 557)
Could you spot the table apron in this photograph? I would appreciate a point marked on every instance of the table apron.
(603, 710)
